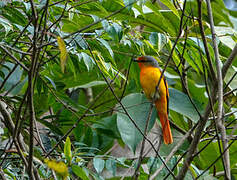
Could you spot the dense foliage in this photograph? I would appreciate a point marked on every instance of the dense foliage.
(70, 93)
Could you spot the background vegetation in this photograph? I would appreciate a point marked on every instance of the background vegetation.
(70, 93)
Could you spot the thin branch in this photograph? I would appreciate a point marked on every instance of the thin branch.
(14, 58)
(136, 174)
(229, 61)
(219, 120)
(212, 72)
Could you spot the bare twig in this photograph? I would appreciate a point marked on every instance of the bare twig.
(14, 58)
(219, 120)
(212, 72)
(136, 174)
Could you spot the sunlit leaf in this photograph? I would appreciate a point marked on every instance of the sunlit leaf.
(59, 167)
(67, 150)
(63, 52)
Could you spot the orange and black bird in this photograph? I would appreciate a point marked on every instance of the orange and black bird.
(149, 78)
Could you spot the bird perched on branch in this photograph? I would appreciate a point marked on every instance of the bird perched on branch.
(150, 76)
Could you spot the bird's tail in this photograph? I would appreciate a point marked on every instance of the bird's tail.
(168, 139)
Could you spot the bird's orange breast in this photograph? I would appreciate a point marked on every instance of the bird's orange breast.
(149, 77)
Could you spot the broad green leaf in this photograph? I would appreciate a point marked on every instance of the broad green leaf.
(138, 108)
(98, 164)
(209, 155)
(51, 81)
(180, 103)
(56, 130)
(14, 16)
(191, 57)
(79, 21)
(107, 126)
(177, 136)
(233, 155)
(63, 52)
(67, 150)
(79, 172)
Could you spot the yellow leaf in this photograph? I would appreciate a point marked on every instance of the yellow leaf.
(59, 167)
(63, 52)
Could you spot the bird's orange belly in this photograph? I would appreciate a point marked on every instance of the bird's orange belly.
(149, 77)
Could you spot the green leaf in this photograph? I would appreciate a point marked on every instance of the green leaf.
(159, 40)
(107, 46)
(15, 77)
(209, 155)
(129, 3)
(180, 103)
(114, 30)
(63, 52)
(7, 26)
(89, 62)
(230, 73)
(170, 5)
(15, 16)
(67, 150)
(98, 164)
(225, 35)
(81, 42)
(110, 164)
(79, 172)
(91, 84)
(138, 108)
(107, 126)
